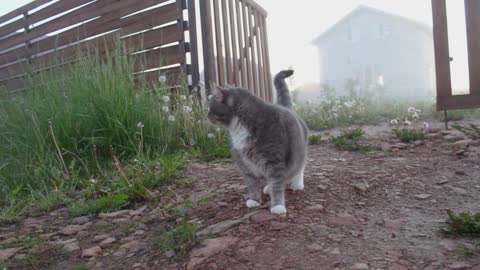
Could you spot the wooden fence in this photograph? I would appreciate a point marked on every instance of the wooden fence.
(235, 45)
(445, 99)
(48, 33)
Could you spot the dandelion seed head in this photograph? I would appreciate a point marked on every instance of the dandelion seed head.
(166, 98)
(162, 78)
(210, 136)
(165, 109)
(171, 118)
(140, 125)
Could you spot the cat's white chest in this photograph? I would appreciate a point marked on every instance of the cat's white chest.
(238, 135)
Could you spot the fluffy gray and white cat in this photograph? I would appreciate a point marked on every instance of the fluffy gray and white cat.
(268, 141)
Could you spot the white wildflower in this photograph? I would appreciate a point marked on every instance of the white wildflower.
(210, 136)
(171, 118)
(218, 130)
(187, 109)
(411, 110)
(93, 181)
(407, 123)
(165, 109)
(183, 97)
(162, 78)
(166, 98)
(210, 97)
(426, 125)
(394, 122)
(415, 116)
(140, 125)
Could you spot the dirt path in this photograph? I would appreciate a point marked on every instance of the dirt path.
(378, 211)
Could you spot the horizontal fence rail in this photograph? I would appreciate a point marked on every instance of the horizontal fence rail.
(445, 98)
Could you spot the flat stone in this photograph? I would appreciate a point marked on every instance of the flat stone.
(322, 187)
(114, 214)
(397, 266)
(317, 207)
(134, 246)
(100, 237)
(460, 191)
(74, 229)
(70, 245)
(460, 266)
(423, 196)
(262, 217)
(210, 248)
(360, 266)
(80, 220)
(121, 220)
(343, 220)
(392, 224)
(107, 241)
(170, 254)
(314, 248)
(448, 244)
(361, 187)
(138, 212)
(278, 226)
(91, 252)
(6, 254)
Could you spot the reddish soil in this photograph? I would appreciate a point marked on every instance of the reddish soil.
(358, 211)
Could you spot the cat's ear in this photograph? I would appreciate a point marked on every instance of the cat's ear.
(219, 93)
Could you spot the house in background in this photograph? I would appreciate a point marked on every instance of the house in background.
(378, 51)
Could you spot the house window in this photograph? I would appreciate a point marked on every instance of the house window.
(383, 31)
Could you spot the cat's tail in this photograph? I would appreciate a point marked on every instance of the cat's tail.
(283, 95)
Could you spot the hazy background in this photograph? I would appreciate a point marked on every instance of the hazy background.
(293, 25)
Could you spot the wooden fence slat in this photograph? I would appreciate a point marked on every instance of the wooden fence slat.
(246, 29)
(267, 59)
(22, 10)
(208, 50)
(218, 38)
(226, 38)
(236, 80)
(158, 58)
(252, 46)
(264, 51)
(45, 13)
(240, 25)
(261, 75)
(472, 12)
(442, 55)
(192, 20)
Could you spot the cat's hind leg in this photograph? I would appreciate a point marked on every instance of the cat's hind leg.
(297, 181)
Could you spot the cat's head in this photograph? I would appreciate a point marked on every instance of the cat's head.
(220, 106)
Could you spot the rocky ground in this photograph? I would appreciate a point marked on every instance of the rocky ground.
(384, 210)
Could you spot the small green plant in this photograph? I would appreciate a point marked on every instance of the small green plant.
(47, 202)
(315, 139)
(408, 135)
(472, 131)
(470, 250)
(180, 238)
(349, 140)
(464, 223)
(80, 266)
(103, 204)
(27, 242)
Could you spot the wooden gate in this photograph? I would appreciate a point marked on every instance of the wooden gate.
(445, 99)
(235, 45)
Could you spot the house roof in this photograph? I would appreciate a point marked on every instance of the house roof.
(365, 9)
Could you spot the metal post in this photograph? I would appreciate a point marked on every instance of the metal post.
(446, 119)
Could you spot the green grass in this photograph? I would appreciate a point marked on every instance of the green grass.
(408, 135)
(27, 242)
(103, 204)
(315, 139)
(472, 131)
(94, 120)
(463, 224)
(470, 251)
(180, 238)
(350, 141)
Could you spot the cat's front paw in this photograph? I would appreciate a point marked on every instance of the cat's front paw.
(252, 204)
(266, 189)
(278, 210)
(297, 186)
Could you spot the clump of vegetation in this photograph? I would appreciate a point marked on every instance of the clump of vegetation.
(180, 238)
(350, 141)
(103, 204)
(408, 135)
(472, 130)
(464, 223)
(93, 129)
(315, 139)
(474, 249)
(27, 242)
